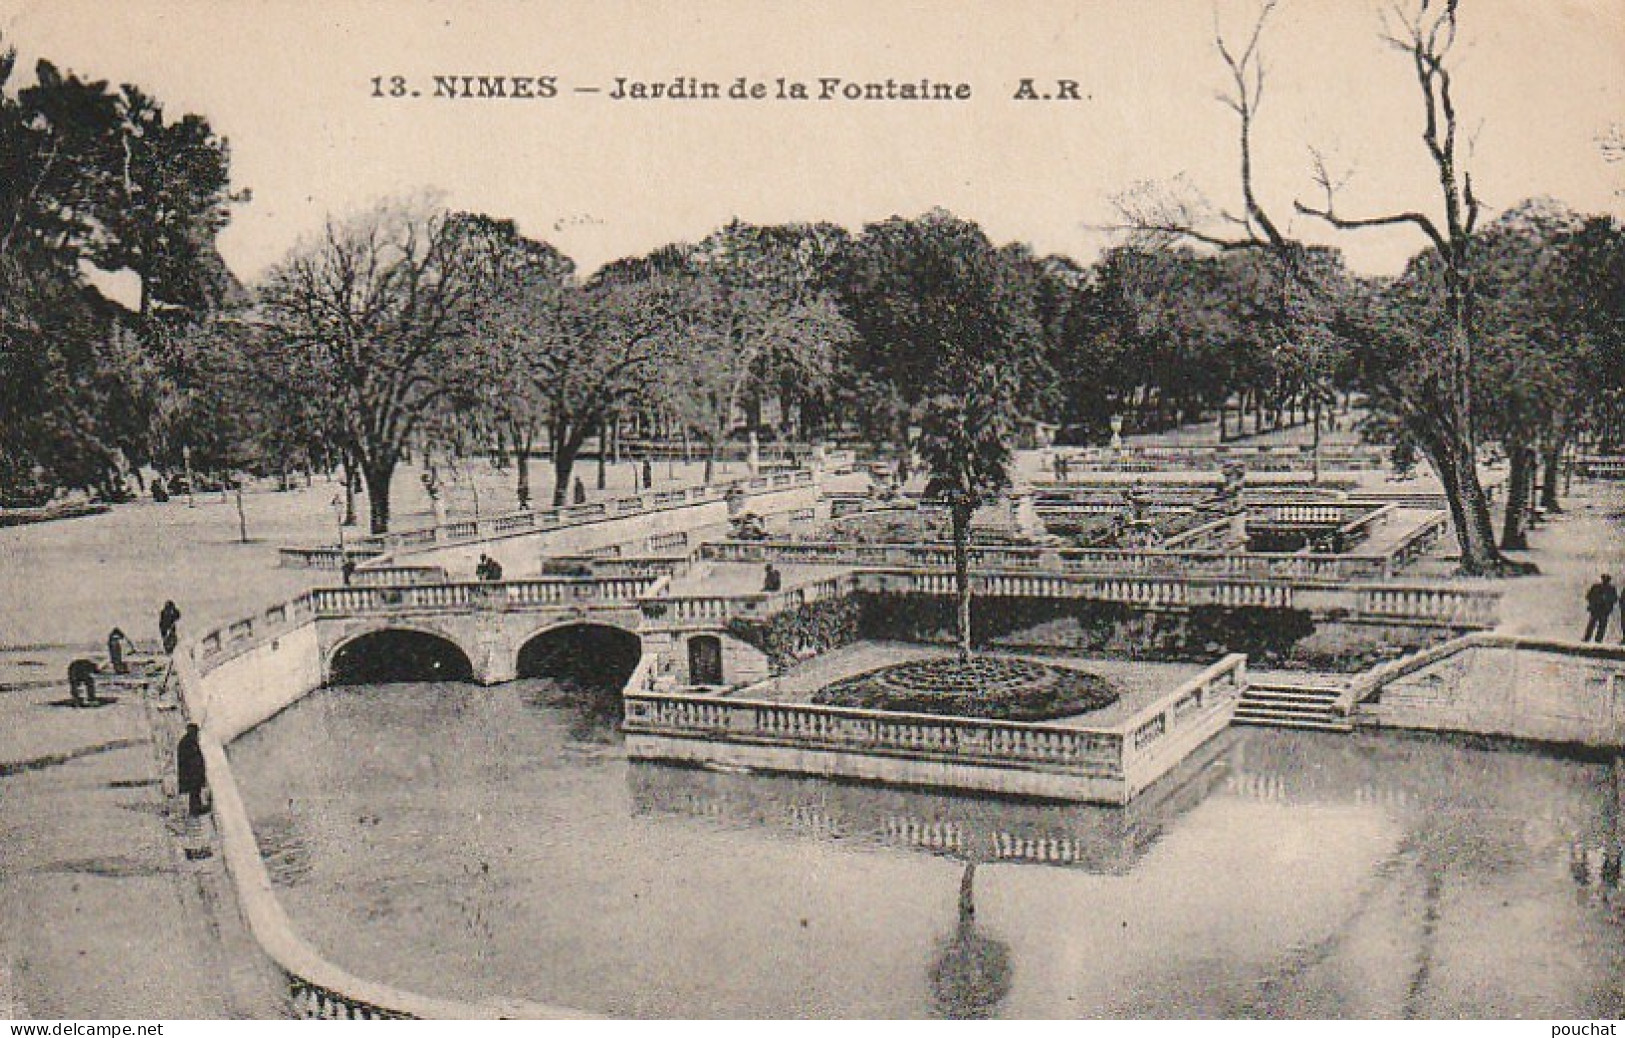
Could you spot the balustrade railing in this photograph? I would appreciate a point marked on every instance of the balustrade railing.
(1216, 689)
(845, 729)
(519, 594)
(1154, 561)
(394, 576)
(323, 557)
(464, 530)
(1447, 606)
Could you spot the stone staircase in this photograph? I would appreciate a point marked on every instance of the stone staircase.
(1292, 706)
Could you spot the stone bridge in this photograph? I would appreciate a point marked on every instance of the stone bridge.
(491, 632)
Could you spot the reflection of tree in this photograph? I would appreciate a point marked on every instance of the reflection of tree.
(971, 973)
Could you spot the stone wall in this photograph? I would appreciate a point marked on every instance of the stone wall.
(1551, 692)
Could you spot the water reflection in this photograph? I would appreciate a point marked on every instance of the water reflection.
(485, 841)
(967, 828)
(971, 973)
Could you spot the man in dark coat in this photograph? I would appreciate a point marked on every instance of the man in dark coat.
(1601, 598)
(82, 679)
(189, 771)
(116, 641)
(168, 618)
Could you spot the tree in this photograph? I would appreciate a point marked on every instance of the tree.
(88, 176)
(1425, 384)
(524, 327)
(583, 352)
(949, 322)
(379, 311)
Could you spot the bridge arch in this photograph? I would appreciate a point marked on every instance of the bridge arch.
(397, 652)
(596, 656)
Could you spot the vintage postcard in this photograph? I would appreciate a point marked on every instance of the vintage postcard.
(1047, 509)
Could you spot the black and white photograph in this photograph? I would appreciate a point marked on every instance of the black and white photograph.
(915, 510)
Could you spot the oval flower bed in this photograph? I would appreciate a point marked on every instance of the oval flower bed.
(984, 687)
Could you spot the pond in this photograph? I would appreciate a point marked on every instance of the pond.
(480, 842)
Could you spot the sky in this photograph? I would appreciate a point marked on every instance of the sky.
(290, 82)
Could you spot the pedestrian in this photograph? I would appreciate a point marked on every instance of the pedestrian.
(1601, 598)
(493, 570)
(772, 580)
(116, 641)
(580, 493)
(347, 570)
(168, 618)
(189, 771)
(648, 473)
(82, 679)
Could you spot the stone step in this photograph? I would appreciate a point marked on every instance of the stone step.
(1272, 720)
(1273, 710)
(1285, 695)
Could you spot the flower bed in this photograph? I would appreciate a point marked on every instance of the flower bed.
(985, 687)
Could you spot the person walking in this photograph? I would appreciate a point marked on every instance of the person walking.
(1601, 598)
(190, 773)
(116, 642)
(168, 619)
(771, 578)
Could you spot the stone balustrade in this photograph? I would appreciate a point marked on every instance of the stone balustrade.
(846, 729)
(1336, 514)
(1257, 459)
(324, 557)
(1071, 759)
(394, 576)
(1600, 466)
(1299, 566)
(463, 531)
(1445, 606)
(512, 594)
(663, 611)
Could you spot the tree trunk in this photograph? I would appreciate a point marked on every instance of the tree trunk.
(1455, 463)
(521, 457)
(349, 491)
(1552, 473)
(903, 467)
(1514, 524)
(961, 515)
(378, 474)
(710, 461)
(564, 461)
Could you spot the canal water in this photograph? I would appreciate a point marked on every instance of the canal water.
(486, 842)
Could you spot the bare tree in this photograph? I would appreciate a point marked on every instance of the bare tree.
(1433, 394)
(376, 308)
(1426, 384)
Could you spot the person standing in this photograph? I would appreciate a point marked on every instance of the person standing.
(168, 619)
(190, 773)
(1601, 598)
(82, 682)
(116, 642)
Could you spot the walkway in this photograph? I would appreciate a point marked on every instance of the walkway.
(1571, 549)
(101, 915)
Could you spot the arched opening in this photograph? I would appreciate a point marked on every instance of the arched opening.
(594, 659)
(399, 655)
(705, 660)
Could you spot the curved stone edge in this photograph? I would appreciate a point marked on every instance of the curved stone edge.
(317, 988)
